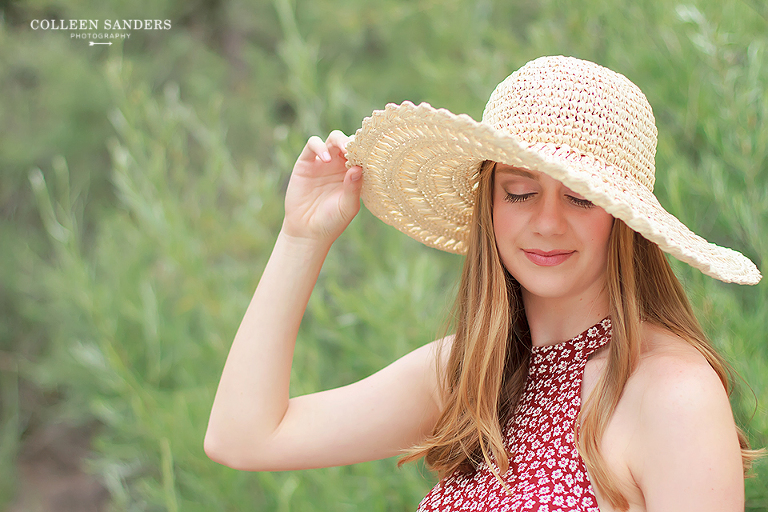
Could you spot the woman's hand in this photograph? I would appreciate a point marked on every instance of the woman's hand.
(323, 196)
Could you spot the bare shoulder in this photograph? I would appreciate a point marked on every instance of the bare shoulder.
(675, 377)
(679, 389)
(685, 446)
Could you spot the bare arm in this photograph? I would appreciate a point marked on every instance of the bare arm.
(253, 424)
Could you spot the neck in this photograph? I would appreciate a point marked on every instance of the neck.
(554, 320)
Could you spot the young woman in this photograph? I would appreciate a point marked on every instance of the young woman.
(566, 299)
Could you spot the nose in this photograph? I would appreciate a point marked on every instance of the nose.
(549, 215)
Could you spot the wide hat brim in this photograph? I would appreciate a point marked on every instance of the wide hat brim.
(420, 172)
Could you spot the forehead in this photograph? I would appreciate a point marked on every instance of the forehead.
(509, 170)
(504, 170)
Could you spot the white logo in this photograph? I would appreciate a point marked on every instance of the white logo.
(96, 29)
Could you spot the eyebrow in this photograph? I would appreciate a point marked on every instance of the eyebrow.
(517, 172)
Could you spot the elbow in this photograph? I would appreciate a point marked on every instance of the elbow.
(213, 449)
(218, 450)
(228, 453)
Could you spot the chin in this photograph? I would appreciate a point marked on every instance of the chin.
(547, 292)
(553, 285)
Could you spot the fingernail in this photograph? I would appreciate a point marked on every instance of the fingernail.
(326, 156)
(356, 176)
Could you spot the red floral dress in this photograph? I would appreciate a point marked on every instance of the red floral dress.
(546, 472)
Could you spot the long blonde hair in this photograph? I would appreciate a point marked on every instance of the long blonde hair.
(485, 373)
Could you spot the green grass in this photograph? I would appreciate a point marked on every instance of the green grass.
(130, 255)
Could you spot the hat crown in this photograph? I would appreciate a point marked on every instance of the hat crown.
(564, 101)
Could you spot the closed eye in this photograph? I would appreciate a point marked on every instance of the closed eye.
(517, 198)
(582, 203)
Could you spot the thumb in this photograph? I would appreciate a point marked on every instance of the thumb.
(349, 204)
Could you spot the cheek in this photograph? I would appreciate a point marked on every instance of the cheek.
(497, 217)
(504, 221)
(601, 228)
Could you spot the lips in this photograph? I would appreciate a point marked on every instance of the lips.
(547, 258)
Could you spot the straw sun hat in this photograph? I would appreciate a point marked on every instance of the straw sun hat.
(580, 123)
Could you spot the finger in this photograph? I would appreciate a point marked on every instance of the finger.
(354, 173)
(349, 203)
(351, 138)
(337, 140)
(315, 148)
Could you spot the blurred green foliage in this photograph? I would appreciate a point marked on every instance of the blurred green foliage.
(141, 190)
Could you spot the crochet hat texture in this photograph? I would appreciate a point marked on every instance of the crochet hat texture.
(580, 123)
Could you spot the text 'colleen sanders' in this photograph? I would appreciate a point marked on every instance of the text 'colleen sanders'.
(94, 25)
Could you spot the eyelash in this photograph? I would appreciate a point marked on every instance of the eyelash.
(581, 203)
(519, 198)
(516, 198)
